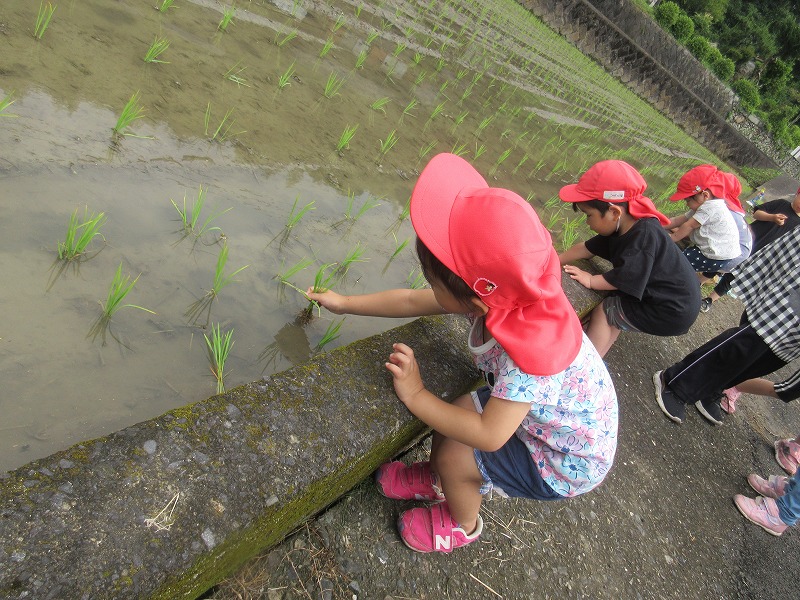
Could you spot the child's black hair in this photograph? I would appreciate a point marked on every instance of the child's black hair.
(600, 205)
(435, 270)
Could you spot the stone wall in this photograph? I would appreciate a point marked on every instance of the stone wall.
(630, 45)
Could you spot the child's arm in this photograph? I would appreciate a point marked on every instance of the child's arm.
(389, 303)
(675, 222)
(762, 215)
(577, 252)
(487, 431)
(685, 229)
(587, 280)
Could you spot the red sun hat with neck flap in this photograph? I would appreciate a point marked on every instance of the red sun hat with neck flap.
(493, 240)
(733, 188)
(699, 178)
(614, 181)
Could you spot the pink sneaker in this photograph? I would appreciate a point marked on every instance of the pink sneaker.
(729, 398)
(416, 482)
(761, 511)
(787, 453)
(432, 529)
(773, 487)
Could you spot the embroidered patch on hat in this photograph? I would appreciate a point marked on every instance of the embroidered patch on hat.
(483, 286)
(614, 195)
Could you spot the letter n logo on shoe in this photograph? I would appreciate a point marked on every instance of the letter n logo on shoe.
(443, 542)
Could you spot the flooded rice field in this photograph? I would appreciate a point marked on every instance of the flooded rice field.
(294, 132)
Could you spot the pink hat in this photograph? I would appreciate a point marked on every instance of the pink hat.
(493, 240)
(701, 177)
(732, 190)
(613, 181)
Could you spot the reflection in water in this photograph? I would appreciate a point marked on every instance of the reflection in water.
(291, 343)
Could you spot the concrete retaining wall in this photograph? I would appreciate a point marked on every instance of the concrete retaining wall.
(628, 43)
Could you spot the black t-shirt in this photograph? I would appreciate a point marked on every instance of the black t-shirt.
(766, 232)
(657, 286)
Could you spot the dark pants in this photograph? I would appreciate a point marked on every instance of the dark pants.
(735, 355)
(724, 284)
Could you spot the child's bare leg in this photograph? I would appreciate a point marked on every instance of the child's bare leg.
(759, 387)
(601, 334)
(458, 473)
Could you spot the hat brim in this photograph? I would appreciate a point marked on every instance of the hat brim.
(439, 185)
(681, 196)
(570, 193)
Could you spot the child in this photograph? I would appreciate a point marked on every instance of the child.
(653, 287)
(708, 224)
(546, 428)
(777, 507)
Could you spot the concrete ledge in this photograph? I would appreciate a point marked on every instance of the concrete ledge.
(245, 468)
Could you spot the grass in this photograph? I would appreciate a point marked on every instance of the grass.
(283, 80)
(331, 333)
(80, 235)
(130, 113)
(346, 138)
(117, 292)
(5, 103)
(190, 220)
(227, 17)
(294, 217)
(157, 48)
(43, 19)
(219, 348)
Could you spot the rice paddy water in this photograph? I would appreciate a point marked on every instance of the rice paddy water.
(268, 109)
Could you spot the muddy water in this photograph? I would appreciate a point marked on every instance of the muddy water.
(483, 79)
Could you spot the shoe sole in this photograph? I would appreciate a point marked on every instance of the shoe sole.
(702, 410)
(746, 516)
(657, 385)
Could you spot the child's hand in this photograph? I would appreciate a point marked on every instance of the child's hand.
(578, 275)
(329, 299)
(405, 372)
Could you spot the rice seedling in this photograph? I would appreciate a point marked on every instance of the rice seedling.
(340, 21)
(361, 59)
(190, 220)
(386, 25)
(358, 10)
(417, 58)
(331, 333)
(398, 247)
(117, 291)
(281, 42)
(409, 107)
(130, 113)
(326, 48)
(406, 212)
(398, 49)
(522, 161)
(156, 49)
(380, 104)
(420, 78)
(439, 65)
(459, 149)
(479, 150)
(530, 197)
(235, 75)
(355, 255)
(220, 279)
(346, 137)
(484, 124)
(5, 103)
(387, 144)
(500, 159)
(416, 280)
(443, 87)
(43, 19)
(425, 150)
(333, 85)
(223, 130)
(283, 81)
(368, 204)
(294, 217)
(458, 120)
(165, 5)
(371, 37)
(219, 347)
(285, 275)
(569, 233)
(80, 235)
(227, 17)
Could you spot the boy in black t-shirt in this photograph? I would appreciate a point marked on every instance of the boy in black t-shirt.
(653, 287)
(771, 220)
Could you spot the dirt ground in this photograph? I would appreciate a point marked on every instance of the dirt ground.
(663, 524)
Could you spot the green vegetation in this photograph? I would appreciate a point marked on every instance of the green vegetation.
(117, 291)
(43, 19)
(227, 17)
(131, 112)
(190, 220)
(157, 48)
(294, 217)
(80, 235)
(331, 333)
(5, 103)
(219, 347)
(346, 137)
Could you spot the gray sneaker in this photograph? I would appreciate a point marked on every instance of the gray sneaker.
(710, 409)
(667, 402)
(705, 305)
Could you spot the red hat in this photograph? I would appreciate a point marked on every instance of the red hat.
(732, 190)
(701, 177)
(493, 240)
(614, 181)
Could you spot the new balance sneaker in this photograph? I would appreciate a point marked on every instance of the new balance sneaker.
(787, 453)
(415, 482)
(774, 487)
(729, 398)
(710, 409)
(705, 305)
(761, 511)
(667, 402)
(432, 529)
